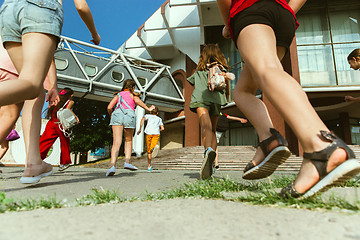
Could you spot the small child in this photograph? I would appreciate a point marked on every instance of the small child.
(152, 130)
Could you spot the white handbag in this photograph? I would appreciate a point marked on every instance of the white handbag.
(66, 118)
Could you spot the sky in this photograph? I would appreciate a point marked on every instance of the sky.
(115, 20)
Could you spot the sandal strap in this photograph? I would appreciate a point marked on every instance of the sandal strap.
(320, 158)
(289, 190)
(275, 135)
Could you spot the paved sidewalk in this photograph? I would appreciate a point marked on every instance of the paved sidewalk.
(166, 219)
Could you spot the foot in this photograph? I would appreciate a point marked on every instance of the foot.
(155, 151)
(334, 164)
(308, 175)
(129, 166)
(63, 167)
(150, 169)
(111, 171)
(34, 172)
(207, 166)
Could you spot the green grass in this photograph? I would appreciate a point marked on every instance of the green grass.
(263, 192)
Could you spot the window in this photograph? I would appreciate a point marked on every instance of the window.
(143, 81)
(61, 64)
(90, 70)
(117, 76)
(329, 30)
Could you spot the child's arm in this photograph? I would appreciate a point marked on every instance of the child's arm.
(224, 7)
(86, 15)
(112, 104)
(52, 95)
(242, 120)
(141, 124)
(162, 128)
(142, 104)
(296, 4)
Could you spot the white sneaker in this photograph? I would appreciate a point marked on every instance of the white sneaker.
(130, 166)
(111, 171)
(207, 166)
(155, 151)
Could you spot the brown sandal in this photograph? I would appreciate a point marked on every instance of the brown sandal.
(272, 159)
(345, 171)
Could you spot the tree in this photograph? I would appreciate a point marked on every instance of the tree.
(93, 131)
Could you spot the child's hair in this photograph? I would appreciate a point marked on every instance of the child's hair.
(354, 54)
(154, 111)
(209, 54)
(129, 84)
(64, 95)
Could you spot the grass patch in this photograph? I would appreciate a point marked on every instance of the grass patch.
(259, 193)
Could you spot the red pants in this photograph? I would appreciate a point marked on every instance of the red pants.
(47, 139)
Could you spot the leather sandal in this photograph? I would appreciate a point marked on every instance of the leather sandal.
(345, 171)
(272, 159)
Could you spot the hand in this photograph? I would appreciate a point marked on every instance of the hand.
(52, 97)
(226, 32)
(151, 108)
(96, 39)
(138, 132)
(243, 120)
(349, 99)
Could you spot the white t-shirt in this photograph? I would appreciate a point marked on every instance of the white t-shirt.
(153, 124)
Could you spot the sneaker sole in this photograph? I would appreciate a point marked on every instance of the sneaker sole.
(339, 175)
(32, 180)
(206, 170)
(131, 169)
(275, 158)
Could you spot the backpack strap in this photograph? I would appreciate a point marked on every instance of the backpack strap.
(121, 100)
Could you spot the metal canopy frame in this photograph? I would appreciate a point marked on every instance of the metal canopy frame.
(118, 57)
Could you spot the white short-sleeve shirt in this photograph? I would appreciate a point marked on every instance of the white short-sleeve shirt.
(153, 124)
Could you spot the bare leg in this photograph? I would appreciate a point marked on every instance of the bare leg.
(4, 148)
(206, 127)
(117, 140)
(31, 122)
(32, 59)
(287, 96)
(149, 159)
(128, 133)
(8, 117)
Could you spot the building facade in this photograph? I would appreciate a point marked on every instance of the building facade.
(329, 30)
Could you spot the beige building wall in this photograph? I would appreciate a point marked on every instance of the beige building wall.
(172, 136)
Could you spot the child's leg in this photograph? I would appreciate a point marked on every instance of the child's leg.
(31, 122)
(32, 59)
(47, 139)
(257, 46)
(149, 148)
(214, 120)
(206, 127)
(128, 133)
(8, 117)
(4, 148)
(117, 140)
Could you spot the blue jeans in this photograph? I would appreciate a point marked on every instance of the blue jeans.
(18, 17)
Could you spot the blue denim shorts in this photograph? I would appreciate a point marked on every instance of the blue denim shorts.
(18, 17)
(124, 118)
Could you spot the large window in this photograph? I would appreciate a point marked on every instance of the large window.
(329, 30)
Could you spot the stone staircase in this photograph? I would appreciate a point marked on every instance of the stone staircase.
(230, 158)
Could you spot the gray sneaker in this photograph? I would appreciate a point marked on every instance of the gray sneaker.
(207, 166)
(130, 166)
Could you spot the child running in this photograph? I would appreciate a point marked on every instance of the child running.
(53, 131)
(152, 130)
(207, 104)
(123, 119)
(30, 32)
(263, 30)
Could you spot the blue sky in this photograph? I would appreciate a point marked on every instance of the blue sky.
(115, 20)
